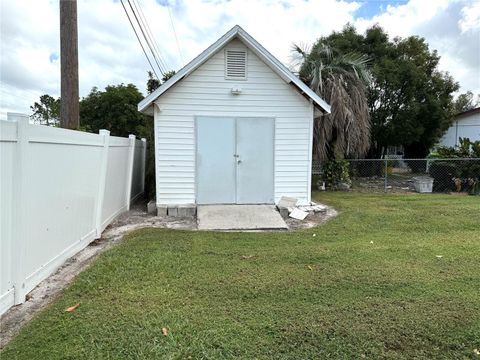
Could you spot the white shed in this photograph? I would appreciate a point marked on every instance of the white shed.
(234, 126)
(466, 125)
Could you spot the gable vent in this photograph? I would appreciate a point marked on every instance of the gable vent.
(236, 64)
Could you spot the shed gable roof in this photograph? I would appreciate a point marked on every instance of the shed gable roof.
(280, 69)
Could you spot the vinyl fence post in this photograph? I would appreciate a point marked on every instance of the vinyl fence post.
(131, 157)
(386, 174)
(144, 162)
(19, 236)
(102, 182)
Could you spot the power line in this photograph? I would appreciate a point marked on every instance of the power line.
(149, 32)
(138, 38)
(175, 33)
(145, 37)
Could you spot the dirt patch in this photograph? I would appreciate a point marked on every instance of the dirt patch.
(377, 184)
(311, 220)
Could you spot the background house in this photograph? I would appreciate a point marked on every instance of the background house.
(466, 125)
(234, 126)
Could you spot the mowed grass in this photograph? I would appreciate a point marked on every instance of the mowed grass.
(327, 292)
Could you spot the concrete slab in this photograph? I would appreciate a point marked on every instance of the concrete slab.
(239, 217)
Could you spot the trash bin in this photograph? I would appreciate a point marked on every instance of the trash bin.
(423, 184)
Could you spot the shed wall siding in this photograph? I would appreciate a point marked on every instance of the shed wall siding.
(206, 92)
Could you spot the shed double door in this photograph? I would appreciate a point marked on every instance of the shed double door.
(234, 161)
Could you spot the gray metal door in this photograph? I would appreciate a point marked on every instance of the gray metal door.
(254, 138)
(235, 160)
(215, 160)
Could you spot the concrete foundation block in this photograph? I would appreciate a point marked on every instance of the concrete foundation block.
(172, 211)
(283, 211)
(287, 202)
(187, 210)
(162, 210)
(151, 207)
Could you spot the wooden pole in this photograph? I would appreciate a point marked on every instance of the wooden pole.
(69, 108)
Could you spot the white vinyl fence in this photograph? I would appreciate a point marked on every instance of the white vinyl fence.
(59, 189)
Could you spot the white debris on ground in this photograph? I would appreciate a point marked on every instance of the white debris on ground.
(313, 207)
(288, 207)
(315, 215)
(298, 214)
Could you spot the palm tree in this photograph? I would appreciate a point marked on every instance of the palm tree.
(341, 80)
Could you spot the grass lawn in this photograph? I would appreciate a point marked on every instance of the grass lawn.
(327, 292)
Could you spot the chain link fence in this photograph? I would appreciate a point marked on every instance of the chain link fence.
(395, 174)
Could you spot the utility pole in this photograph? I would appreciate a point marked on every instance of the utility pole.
(69, 107)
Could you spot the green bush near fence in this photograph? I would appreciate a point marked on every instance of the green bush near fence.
(336, 174)
(460, 175)
(460, 172)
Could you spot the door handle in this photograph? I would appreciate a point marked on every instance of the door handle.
(239, 161)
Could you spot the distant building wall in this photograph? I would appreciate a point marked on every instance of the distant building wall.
(466, 125)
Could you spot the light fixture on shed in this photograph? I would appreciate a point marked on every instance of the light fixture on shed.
(236, 90)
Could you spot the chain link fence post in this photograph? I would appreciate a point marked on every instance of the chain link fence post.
(385, 170)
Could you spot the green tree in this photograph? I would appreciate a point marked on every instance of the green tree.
(466, 101)
(168, 75)
(410, 101)
(341, 79)
(153, 83)
(47, 111)
(114, 109)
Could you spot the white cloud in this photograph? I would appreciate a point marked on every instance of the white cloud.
(450, 27)
(110, 54)
(400, 20)
(273, 23)
(470, 20)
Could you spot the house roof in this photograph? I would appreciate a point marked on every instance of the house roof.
(468, 112)
(253, 45)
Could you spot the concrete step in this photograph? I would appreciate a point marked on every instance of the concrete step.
(239, 217)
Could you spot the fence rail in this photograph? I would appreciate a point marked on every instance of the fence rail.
(460, 175)
(59, 189)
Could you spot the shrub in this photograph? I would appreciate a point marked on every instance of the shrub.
(335, 173)
(443, 174)
(457, 175)
(465, 149)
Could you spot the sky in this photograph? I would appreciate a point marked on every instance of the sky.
(109, 53)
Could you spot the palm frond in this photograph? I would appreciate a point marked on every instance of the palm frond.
(341, 79)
